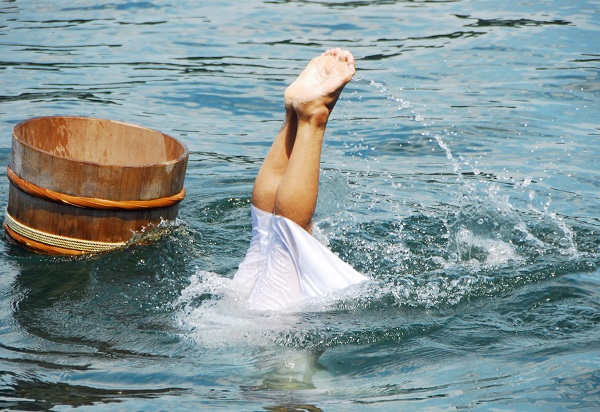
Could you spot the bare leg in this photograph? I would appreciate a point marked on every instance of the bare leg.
(288, 181)
(275, 164)
(312, 96)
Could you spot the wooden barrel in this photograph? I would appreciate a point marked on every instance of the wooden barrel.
(81, 185)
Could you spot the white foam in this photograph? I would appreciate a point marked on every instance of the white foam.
(497, 252)
(217, 315)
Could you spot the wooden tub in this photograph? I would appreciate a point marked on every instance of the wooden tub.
(81, 185)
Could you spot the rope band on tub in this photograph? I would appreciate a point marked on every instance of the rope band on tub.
(57, 241)
(91, 202)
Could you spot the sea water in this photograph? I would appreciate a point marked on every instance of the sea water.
(460, 173)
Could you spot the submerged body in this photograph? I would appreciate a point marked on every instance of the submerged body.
(284, 263)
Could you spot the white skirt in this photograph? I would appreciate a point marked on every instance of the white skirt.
(285, 265)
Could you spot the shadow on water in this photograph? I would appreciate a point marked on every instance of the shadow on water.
(37, 395)
(81, 313)
(92, 300)
(512, 23)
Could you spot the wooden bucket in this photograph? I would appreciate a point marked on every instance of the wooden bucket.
(80, 185)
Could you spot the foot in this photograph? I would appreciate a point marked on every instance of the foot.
(318, 87)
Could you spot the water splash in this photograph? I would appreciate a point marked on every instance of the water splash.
(216, 315)
(418, 255)
(441, 254)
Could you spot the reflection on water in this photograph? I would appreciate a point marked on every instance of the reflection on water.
(42, 395)
(459, 174)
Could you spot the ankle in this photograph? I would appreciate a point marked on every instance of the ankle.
(317, 116)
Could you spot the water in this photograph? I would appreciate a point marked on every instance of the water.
(460, 173)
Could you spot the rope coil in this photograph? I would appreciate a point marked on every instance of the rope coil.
(91, 202)
(63, 242)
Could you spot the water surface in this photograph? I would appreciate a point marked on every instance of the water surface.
(460, 174)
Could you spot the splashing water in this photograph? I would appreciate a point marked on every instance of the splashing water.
(431, 255)
(460, 174)
(444, 253)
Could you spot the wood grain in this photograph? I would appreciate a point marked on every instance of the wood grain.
(93, 158)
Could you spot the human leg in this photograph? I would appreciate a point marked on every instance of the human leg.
(275, 164)
(284, 264)
(312, 97)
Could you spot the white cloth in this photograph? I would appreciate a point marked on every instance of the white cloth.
(285, 265)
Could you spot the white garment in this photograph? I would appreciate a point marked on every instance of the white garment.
(285, 264)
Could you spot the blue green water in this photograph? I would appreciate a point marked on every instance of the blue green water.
(460, 174)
